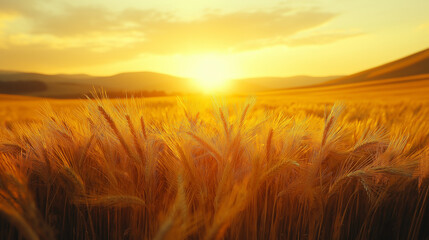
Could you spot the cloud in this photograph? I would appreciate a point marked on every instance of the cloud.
(14, 6)
(230, 32)
(23, 7)
(87, 34)
(320, 39)
(423, 26)
(76, 21)
(164, 33)
(41, 56)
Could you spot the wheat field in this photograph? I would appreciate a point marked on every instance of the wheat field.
(222, 168)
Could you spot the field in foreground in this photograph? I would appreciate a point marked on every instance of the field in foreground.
(203, 169)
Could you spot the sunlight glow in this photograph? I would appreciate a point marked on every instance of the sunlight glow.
(211, 72)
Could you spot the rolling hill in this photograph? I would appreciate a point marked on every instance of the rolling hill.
(148, 81)
(406, 78)
(265, 83)
(415, 64)
(74, 85)
(409, 71)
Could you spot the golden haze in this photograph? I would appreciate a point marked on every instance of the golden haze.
(255, 38)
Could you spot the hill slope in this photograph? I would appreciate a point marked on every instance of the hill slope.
(149, 81)
(74, 85)
(406, 78)
(415, 64)
(271, 83)
(403, 88)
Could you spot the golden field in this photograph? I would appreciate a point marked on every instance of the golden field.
(214, 120)
(285, 166)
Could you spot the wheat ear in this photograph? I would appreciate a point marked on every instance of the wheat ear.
(115, 130)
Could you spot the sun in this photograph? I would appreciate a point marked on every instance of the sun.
(210, 72)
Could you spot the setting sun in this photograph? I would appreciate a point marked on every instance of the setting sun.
(210, 72)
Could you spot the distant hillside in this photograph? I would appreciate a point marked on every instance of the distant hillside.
(22, 76)
(149, 81)
(406, 78)
(415, 64)
(75, 85)
(42, 85)
(74, 76)
(271, 83)
(22, 87)
(402, 88)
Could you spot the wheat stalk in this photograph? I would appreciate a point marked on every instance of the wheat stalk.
(136, 141)
(224, 122)
(115, 130)
(112, 201)
(207, 146)
(143, 127)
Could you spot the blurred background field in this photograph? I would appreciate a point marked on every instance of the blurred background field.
(371, 102)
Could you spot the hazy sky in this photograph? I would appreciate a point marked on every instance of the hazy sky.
(241, 38)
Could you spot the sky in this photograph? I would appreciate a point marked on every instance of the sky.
(228, 38)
